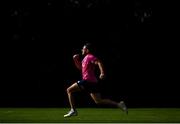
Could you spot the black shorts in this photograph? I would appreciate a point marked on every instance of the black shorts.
(90, 87)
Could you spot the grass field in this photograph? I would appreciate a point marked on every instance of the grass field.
(89, 115)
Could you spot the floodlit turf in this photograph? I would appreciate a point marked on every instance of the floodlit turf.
(88, 115)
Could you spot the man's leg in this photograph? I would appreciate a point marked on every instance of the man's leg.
(98, 100)
(73, 88)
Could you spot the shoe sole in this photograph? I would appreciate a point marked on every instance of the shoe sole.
(65, 116)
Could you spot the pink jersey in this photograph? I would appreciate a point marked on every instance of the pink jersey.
(88, 68)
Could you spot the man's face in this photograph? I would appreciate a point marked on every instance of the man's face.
(84, 50)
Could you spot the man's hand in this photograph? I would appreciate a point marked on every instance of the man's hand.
(77, 61)
(101, 76)
(76, 57)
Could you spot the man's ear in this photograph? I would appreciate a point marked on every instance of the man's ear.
(87, 51)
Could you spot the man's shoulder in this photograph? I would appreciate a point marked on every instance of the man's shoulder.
(91, 56)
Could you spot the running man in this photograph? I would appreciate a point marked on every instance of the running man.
(89, 81)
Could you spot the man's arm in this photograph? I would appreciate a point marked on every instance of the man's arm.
(101, 68)
(77, 61)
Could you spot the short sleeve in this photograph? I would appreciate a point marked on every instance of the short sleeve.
(93, 59)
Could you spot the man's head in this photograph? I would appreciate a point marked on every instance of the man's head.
(87, 48)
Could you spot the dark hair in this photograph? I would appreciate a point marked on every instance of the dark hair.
(89, 46)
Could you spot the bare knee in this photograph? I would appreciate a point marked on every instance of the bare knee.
(97, 98)
(73, 88)
(68, 90)
(98, 101)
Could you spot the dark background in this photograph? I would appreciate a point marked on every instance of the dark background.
(40, 38)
